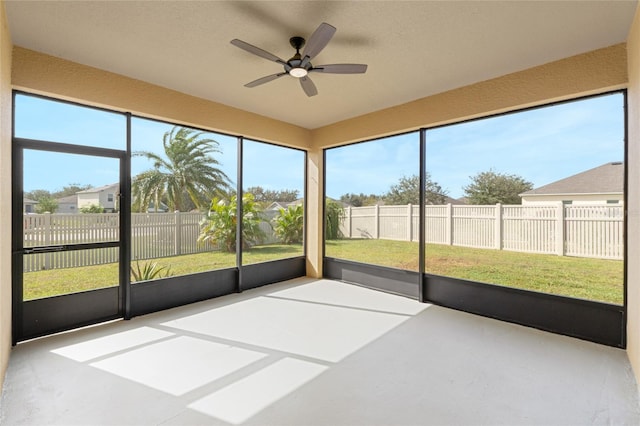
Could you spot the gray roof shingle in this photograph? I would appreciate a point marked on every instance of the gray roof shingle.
(605, 179)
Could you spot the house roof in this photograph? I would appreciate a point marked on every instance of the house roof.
(29, 201)
(414, 49)
(276, 205)
(605, 179)
(113, 186)
(71, 199)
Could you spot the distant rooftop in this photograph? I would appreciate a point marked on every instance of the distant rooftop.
(68, 199)
(605, 179)
(100, 188)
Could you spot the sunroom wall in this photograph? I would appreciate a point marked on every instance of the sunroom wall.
(633, 196)
(44, 74)
(590, 73)
(594, 72)
(5, 193)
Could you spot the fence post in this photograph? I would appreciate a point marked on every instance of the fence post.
(376, 233)
(409, 222)
(498, 227)
(177, 247)
(348, 221)
(560, 229)
(47, 239)
(449, 225)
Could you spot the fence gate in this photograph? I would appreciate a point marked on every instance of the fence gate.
(61, 279)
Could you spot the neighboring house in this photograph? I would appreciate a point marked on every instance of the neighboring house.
(277, 205)
(104, 196)
(68, 204)
(162, 208)
(601, 185)
(28, 205)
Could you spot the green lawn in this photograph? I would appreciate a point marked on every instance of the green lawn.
(62, 281)
(593, 279)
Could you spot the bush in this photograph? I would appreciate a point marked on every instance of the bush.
(46, 205)
(219, 227)
(92, 208)
(149, 271)
(289, 224)
(334, 215)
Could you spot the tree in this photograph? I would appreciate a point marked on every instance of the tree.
(407, 191)
(219, 227)
(268, 196)
(359, 200)
(71, 189)
(46, 205)
(188, 170)
(492, 187)
(38, 194)
(289, 224)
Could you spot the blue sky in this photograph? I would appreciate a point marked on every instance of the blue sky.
(541, 145)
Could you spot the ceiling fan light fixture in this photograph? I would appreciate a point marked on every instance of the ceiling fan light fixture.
(299, 66)
(298, 72)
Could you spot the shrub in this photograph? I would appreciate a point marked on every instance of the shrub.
(289, 224)
(149, 271)
(92, 208)
(334, 215)
(219, 227)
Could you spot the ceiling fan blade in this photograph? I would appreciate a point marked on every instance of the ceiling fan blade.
(256, 51)
(264, 80)
(308, 86)
(318, 40)
(341, 68)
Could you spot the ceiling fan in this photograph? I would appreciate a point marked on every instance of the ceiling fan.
(299, 66)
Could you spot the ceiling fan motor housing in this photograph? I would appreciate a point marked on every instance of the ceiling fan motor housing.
(295, 63)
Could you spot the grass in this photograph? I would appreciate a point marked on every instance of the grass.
(63, 281)
(593, 279)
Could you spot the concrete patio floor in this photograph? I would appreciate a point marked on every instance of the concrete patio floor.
(316, 352)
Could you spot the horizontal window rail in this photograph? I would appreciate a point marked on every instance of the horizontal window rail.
(153, 235)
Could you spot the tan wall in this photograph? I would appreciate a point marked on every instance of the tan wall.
(589, 73)
(39, 73)
(315, 212)
(633, 197)
(5, 193)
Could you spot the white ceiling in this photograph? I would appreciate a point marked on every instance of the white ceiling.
(414, 49)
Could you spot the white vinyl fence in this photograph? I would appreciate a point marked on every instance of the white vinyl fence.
(153, 235)
(595, 231)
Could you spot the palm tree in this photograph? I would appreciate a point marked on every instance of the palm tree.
(188, 171)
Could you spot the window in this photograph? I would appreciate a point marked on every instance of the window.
(182, 180)
(508, 221)
(372, 202)
(64, 122)
(273, 202)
